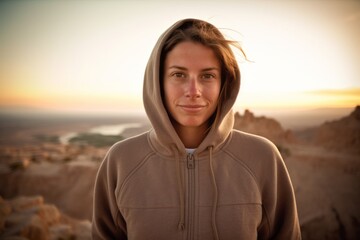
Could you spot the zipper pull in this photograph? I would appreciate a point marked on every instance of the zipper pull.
(190, 161)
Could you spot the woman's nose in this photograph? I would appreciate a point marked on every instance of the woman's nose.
(193, 88)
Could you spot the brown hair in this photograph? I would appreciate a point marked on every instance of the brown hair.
(208, 35)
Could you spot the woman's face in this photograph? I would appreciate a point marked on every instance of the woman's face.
(192, 82)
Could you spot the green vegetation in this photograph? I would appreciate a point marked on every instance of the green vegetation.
(47, 138)
(96, 139)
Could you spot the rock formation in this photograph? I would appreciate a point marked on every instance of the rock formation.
(263, 126)
(340, 135)
(30, 218)
(63, 175)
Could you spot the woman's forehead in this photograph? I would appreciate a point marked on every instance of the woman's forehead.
(192, 55)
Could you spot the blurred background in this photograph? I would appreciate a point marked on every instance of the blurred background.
(71, 75)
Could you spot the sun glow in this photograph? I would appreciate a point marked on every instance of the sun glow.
(72, 55)
(308, 99)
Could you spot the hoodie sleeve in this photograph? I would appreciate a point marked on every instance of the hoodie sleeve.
(279, 204)
(107, 221)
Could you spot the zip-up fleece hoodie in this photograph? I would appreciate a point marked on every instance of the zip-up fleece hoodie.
(234, 186)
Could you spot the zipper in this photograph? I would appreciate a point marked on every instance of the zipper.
(190, 161)
(191, 196)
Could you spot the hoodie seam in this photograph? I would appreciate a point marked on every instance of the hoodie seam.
(231, 204)
(148, 208)
(267, 220)
(132, 172)
(117, 219)
(245, 166)
(242, 163)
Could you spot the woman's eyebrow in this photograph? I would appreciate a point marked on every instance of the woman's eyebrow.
(203, 70)
(178, 67)
(210, 69)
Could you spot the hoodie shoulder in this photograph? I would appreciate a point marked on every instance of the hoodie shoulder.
(247, 143)
(278, 200)
(139, 140)
(259, 154)
(134, 147)
(125, 155)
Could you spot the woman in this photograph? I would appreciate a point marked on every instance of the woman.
(192, 176)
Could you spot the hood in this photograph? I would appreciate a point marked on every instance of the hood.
(163, 137)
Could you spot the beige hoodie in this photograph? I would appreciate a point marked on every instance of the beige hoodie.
(234, 186)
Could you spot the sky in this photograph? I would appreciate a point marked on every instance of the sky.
(91, 55)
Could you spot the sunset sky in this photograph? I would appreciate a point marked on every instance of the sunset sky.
(91, 55)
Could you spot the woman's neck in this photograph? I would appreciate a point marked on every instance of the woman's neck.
(191, 136)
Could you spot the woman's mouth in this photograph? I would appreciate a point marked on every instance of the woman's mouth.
(192, 108)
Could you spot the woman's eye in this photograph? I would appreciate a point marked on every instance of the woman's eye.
(179, 75)
(208, 76)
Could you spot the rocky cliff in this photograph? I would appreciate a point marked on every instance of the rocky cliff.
(63, 175)
(340, 135)
(31, 218)
(263, 126)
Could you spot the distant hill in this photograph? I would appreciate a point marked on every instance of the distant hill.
(342, 134)
(300, 119)
(263, 126)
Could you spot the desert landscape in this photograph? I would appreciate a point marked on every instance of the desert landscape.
(48, 167)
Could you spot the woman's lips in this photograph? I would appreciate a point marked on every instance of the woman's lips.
(192, 108)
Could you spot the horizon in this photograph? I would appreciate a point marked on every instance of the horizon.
(293, 119)
(74, 56)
